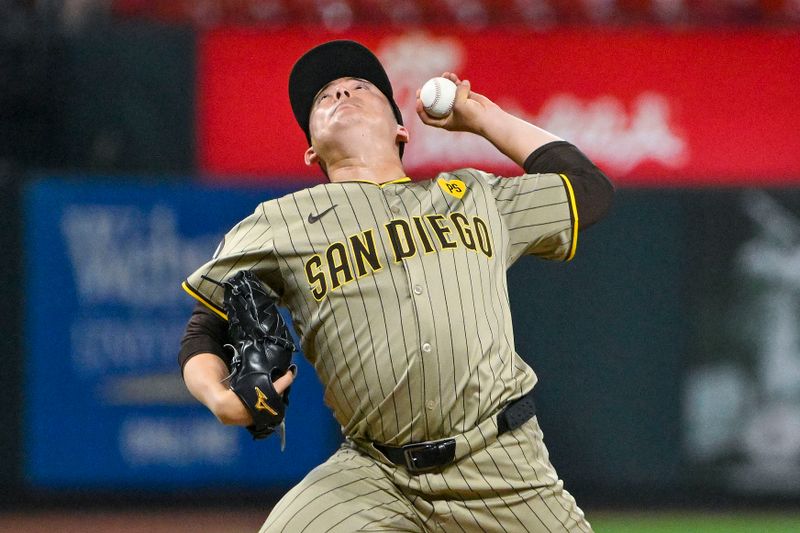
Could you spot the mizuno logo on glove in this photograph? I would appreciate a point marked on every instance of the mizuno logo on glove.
(261, 403)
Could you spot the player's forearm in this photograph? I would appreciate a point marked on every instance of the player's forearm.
(204, 374)
(514, 137)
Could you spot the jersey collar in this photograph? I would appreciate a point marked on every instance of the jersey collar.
(404, 179)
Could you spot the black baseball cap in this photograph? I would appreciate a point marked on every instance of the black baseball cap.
(331, 61)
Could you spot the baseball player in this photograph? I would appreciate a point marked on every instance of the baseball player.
(397, 290)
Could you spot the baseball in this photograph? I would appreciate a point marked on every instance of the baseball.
(438, 96)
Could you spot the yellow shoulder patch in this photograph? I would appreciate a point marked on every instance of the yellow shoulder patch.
(454, 187)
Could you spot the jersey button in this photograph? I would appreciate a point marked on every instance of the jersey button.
(395, 210)
(417, 289)
(426, 347)
(430, 405)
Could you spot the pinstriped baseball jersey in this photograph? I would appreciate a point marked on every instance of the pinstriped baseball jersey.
(398, 291)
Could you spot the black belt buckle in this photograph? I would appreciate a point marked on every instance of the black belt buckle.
(429, 456)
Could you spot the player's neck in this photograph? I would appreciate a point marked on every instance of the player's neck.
(358, 169)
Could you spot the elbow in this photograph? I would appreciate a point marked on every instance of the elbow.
(594, 195)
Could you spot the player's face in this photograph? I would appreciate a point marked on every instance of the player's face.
(351, 110)
(348, 93)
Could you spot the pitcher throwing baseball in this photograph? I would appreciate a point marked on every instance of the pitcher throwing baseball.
(397, 289)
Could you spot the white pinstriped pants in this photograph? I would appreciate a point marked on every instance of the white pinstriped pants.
(507, 486)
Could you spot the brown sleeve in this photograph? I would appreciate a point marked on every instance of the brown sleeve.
(593, 190)
(206, 332)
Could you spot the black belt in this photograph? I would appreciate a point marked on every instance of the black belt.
(422, 457)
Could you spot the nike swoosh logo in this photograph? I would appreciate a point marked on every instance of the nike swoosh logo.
(313, 218)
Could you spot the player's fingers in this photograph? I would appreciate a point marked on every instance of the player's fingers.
(427, 119)
(462, 92)
(283, 382)
(420, 109)
(452, 77)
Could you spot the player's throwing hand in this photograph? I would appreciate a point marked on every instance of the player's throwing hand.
(469, 112)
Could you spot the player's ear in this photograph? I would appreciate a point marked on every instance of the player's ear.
(402, 134)
(311, 157)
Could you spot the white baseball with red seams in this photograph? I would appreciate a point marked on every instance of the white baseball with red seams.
(438, 96)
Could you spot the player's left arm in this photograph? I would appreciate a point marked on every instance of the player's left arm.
(205, 367)
(532, 148)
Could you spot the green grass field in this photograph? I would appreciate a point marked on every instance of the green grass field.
(695, 522)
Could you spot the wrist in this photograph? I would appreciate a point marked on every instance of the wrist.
(229, 409)
(491, 123)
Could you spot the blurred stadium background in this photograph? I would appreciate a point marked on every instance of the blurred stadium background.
(134, 133)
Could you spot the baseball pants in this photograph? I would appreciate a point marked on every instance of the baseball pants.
(507, 486)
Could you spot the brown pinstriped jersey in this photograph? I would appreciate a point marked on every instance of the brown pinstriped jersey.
(398, 291)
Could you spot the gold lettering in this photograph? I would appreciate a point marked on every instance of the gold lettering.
(338, 263)
(316, 278)
(402, 240)
(482, 234)
(423, 235)
(464, 231)
(441, 231)
(364, 253)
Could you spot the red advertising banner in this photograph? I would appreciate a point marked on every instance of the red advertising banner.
(652, 108)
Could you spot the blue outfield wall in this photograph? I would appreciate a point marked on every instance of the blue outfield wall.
(105, 406)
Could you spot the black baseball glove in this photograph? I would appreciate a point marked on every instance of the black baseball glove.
(262, 352)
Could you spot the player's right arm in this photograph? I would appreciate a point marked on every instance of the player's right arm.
(534, 149)
(474, 113)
